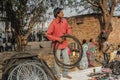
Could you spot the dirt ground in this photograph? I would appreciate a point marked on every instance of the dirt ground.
(44, 53)
(49, 59)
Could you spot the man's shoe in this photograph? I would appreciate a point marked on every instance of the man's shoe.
(68, 77)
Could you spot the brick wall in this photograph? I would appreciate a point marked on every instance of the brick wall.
(115, 34)
(90, 28)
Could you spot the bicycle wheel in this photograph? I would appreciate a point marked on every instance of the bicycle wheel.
(27, 71)
(76, 52)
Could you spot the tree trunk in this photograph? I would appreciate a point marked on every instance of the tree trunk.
(19, 45)
(107, 24)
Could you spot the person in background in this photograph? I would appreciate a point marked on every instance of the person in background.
(1, 45)
(118, 51)
(3, 37)
(34, 36)
(13, 41)
(91, 53)
(59, 27)
(102, 36)
(105, 46)
(84, 60)
(39, 35)
(106, 50)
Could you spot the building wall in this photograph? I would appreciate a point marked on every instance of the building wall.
(90, 28)
(115, 34)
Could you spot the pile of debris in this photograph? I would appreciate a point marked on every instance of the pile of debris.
(109, 72)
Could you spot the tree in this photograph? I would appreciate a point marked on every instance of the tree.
(26, 13)
(106, 8)
(22, 13)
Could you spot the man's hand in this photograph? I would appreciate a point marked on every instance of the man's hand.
(61, 40)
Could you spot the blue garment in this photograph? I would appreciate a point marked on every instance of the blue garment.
(84, 60)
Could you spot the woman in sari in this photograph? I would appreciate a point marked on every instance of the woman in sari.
(84, 60)
(91, 52)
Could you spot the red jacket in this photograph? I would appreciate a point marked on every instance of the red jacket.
(57, 29)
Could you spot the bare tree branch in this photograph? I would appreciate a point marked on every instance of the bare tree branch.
(96, 5)
(113, 7)
(102, 6)
(34, 19)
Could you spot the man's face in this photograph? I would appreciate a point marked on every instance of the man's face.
(60, 15)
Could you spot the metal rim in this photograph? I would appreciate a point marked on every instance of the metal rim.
(28, 71)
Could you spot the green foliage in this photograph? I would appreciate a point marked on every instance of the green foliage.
(70, 2)
(20, 12)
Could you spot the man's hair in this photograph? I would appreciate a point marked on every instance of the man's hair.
(56, 11)
(91, 40)
(84, 41)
